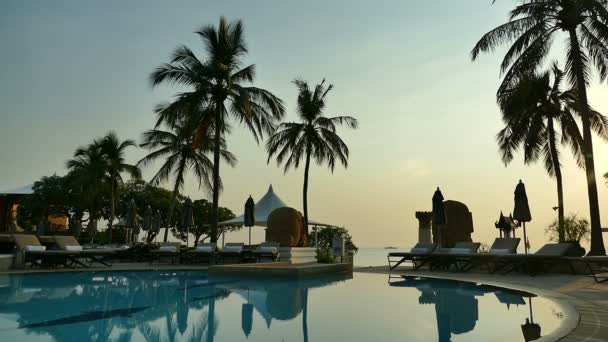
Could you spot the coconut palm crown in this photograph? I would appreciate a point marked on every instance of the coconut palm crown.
(314, 137)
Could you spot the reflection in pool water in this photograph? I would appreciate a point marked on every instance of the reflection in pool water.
(182, 306)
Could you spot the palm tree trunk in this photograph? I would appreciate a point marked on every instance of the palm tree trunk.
(111, 223)
(216, 174)
(305, 191)
(171, 207)
(558, 178)
(597, 242)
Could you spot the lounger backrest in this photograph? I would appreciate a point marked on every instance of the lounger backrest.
(509, 244)
(174, 244)
(472, 247)
(554, 249)
(424, 247)
(206, 245)
(63, 241)
(269, 244)
(22, 240)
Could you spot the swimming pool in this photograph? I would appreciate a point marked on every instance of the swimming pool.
(189, 306)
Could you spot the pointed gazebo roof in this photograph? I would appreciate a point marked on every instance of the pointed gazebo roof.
(266, 205)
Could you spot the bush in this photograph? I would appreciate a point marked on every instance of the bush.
(575, 229)
(326, 235)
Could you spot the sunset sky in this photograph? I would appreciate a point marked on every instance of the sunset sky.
(73, 70)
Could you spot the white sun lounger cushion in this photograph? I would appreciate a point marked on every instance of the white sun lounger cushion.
(73, 248)
(418, 250)
(168, 248)
(207, 249)
(34, 248)
(267, 249)
(499, 251)
(233, 248)
(460, 251)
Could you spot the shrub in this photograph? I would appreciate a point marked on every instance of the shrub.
(575, 229)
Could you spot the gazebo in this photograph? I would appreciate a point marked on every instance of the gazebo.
(266, 205)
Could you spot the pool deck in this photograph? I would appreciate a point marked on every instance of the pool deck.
(589, 299)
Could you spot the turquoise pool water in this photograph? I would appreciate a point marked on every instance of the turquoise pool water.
(188, 306)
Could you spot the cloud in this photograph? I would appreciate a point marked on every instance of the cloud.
(415, 168)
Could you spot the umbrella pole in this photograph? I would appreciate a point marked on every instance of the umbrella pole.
(531, 317)
(250, 236)
(525, 240)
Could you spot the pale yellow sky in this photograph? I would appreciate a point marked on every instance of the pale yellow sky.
(428, 118)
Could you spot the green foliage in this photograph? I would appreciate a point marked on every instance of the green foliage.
(575, 229)
(202, 215)
(325, 236)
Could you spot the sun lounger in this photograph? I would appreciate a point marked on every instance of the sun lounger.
(203, 252)
(500, 247)
(548, 256)
(31, 251)
(597, 266)
(417, 257)
(101, 256)
(458, 256)
(167, 250)
(267, 250)
(232, 251)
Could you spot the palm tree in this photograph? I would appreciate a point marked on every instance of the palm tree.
(531, 109)
(87, 176)
(180, 153)
(314, 137)
(113, 151)
(532, 27)
(220, 90)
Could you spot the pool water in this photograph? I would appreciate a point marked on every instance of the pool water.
(189, 306)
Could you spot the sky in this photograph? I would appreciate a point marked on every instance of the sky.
(74, 70)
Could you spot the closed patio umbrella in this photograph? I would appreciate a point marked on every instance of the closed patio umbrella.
(250, 215)
(439, 218)
(40, 227)
(531, 330)
(76, 228)
(92, 229)
(187, 218)
(147, 222)
(521, 211)
(156, 222)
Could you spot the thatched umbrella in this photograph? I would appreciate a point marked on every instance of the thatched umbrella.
(187, 218)
(439, 218)
(521, 211)
(249, 215)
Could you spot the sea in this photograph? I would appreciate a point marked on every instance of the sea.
(367, 257)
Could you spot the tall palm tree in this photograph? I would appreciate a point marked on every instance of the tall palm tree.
(531, 109)
(113, 151)
(314, 137)
(177, 147)
(221, 90)
(532, 27)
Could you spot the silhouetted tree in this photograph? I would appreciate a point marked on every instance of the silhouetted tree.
(531, 108)
(314, 137)
(181, 154)
(532, 27)
(220, 91)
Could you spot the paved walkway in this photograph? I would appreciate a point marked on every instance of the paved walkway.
(589, 299)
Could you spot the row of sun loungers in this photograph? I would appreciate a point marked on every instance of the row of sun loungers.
(69, 253)
(502, 257)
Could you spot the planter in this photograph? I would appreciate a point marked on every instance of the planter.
(297, 255)
(575, 250)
